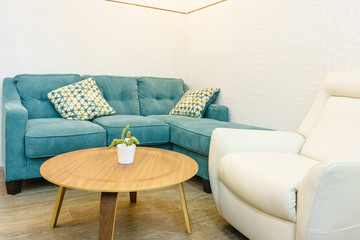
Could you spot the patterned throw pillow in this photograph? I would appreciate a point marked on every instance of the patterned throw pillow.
(194, 102)
(80, 101)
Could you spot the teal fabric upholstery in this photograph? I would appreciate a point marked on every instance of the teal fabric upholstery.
(120, 92)
(217, 112)
(202, 160)
(33, 131)
(167, 118)
(194, 134)
(159, 95)
(166, 146)
(33, 167)
(147, 130)
(33, 90)
(52, 136)
(14, 118)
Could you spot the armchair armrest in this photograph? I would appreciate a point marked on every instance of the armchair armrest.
(217, 112)
(14, 120)
(225, 141)
(328, 202)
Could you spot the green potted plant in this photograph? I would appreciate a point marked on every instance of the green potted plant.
(125, 146)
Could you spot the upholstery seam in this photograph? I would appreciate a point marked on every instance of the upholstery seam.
(315, 198)
(335, 231)
(83, 134)
(137, 126)
(189, 130)
(189, 149)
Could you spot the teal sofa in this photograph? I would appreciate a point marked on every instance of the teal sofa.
(33, 131)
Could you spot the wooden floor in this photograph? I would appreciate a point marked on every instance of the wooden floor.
(156, 215)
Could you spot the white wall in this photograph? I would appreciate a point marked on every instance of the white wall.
(89, 36)
(269, 57)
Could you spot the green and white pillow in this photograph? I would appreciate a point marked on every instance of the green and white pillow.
(195, 102)
(80, 101)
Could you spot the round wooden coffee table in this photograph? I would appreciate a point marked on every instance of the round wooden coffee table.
(97, 169)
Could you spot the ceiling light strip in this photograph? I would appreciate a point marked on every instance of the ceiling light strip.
(164, 9)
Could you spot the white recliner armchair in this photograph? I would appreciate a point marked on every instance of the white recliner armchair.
(294, 185)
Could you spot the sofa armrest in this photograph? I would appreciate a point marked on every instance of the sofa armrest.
(14, 120)
(217, 112)
(226, 140)
(250, 140)
(328, 199)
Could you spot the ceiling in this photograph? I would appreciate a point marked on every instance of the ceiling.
(176, 6)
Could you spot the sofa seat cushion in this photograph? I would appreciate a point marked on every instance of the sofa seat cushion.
(267, 181)
(148, 131)
(47, 137)
(194, 134)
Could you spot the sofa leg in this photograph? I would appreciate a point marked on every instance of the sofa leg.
(206, 185)
(14, 187)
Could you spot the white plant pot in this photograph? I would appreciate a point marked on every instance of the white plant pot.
(126, 153)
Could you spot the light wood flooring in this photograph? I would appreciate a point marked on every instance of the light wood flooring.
(156, 215)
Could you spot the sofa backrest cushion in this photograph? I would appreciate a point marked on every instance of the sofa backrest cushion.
(33, 90)
(120, 92)
(159, 95)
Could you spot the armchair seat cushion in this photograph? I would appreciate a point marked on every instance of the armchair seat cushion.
(148, 131)
(46, 137)
(266, 181)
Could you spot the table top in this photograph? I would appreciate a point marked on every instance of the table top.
(97, 169)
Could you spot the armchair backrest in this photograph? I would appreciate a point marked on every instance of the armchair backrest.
(332, 126)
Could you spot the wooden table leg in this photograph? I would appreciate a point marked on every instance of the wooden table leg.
(133, 197)
(184, 206)
(107, 215)
(58, 203)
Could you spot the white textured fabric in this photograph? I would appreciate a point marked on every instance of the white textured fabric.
(252, 222)
(343, 84)
(334, 84)
(267, 181)
(336, 134)
(241, 140)
(328, 202)
(253, 190)
(307, 124)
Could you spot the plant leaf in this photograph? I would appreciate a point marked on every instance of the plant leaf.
(134, 139)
